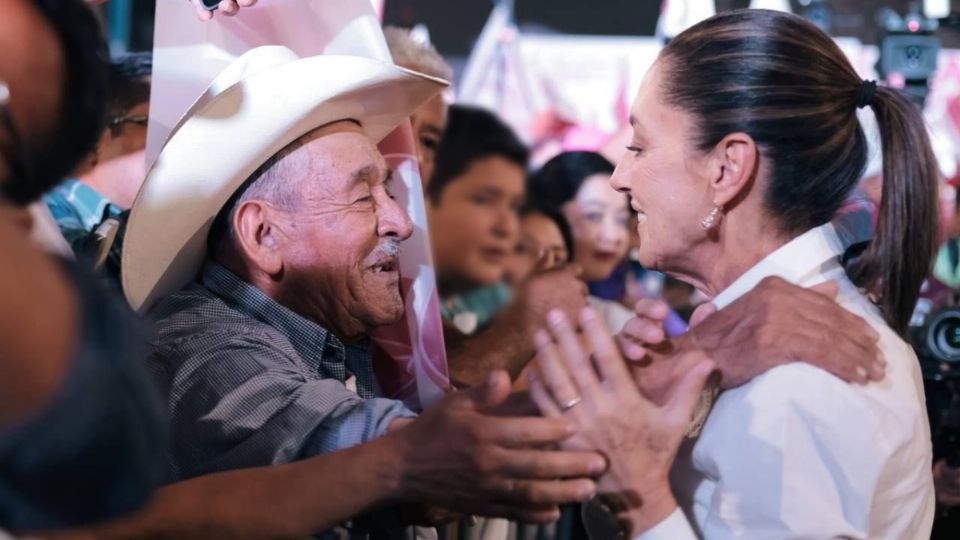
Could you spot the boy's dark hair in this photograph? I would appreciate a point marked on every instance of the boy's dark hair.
(472, 134)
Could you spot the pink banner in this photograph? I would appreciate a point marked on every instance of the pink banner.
(411, 364)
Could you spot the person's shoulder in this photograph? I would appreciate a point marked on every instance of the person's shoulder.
(195, 315)
(801, 386)
(897, 352)
(802, 398)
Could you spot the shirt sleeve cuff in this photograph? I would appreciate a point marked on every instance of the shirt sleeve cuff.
(674, 527)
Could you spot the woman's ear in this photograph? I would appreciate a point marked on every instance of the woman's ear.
(736, 157)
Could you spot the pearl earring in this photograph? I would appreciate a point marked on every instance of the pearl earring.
(713, 219)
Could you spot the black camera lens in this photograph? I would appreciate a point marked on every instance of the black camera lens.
(943, 336)
(952, 337)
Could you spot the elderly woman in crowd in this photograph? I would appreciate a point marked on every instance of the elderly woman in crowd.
(578, 183)
(745, 143)
(545, 242)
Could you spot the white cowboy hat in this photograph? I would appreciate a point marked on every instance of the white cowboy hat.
(262, 102)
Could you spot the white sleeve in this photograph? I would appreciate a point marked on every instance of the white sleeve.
(798, 453)
(674, 527)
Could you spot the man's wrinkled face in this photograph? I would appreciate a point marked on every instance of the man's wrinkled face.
(341, 240)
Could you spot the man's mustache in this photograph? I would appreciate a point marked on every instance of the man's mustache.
(388, 249)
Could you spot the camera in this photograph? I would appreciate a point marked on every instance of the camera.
(211, 4)
(908, 50)
(937, 343)
(935, 333)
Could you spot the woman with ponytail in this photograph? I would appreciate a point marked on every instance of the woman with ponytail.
(745, 144)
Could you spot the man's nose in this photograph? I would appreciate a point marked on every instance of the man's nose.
(393, 221)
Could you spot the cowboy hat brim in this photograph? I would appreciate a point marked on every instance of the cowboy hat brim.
(224, 138)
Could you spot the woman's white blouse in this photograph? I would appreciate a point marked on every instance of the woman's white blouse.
(799, 453)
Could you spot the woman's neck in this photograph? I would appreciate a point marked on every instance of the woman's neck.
(742, 242)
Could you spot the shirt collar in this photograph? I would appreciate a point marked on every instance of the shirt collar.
(796, 261)
(310, 340)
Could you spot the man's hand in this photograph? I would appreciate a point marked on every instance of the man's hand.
(507, 343)
(774, 324)
(557, 288)
(226, 7)
(460, 456)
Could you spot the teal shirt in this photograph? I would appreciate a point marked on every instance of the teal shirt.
(78, 210)
(484, 303)
(76, 205)
(947, 271)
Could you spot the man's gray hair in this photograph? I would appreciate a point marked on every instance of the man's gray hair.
(271, 183)
(409, 53)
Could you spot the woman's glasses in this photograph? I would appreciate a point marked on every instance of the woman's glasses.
(116, 124)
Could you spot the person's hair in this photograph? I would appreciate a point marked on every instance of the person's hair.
(82, 108)
(472, 134)
(530, 208)
(779, 79)
(411, 54)
(270, 183)
(559, 180)
(129, 82)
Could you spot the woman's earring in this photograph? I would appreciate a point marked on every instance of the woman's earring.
(713, 219)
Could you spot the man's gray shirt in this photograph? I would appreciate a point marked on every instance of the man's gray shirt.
(249, 382)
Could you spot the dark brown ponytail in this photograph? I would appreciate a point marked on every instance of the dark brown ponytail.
(781, 80)
(898, 259)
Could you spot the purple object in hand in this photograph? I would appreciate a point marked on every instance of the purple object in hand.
(674, 325)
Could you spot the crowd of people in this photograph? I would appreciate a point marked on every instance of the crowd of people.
(187, 353)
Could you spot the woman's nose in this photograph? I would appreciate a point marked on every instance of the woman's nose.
(619, 180)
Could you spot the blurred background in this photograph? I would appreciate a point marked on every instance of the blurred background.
(561, 71)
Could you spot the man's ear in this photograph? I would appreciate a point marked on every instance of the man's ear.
(736, 160)
(258, 237)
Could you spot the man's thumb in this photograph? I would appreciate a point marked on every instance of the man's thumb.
(491, 393)
(827, 288)
(701, 313)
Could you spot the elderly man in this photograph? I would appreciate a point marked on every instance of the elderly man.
(264, 357)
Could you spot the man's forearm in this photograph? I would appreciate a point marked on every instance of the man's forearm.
(505, 345)
(287, 501)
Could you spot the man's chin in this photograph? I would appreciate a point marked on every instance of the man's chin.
(390, 312)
